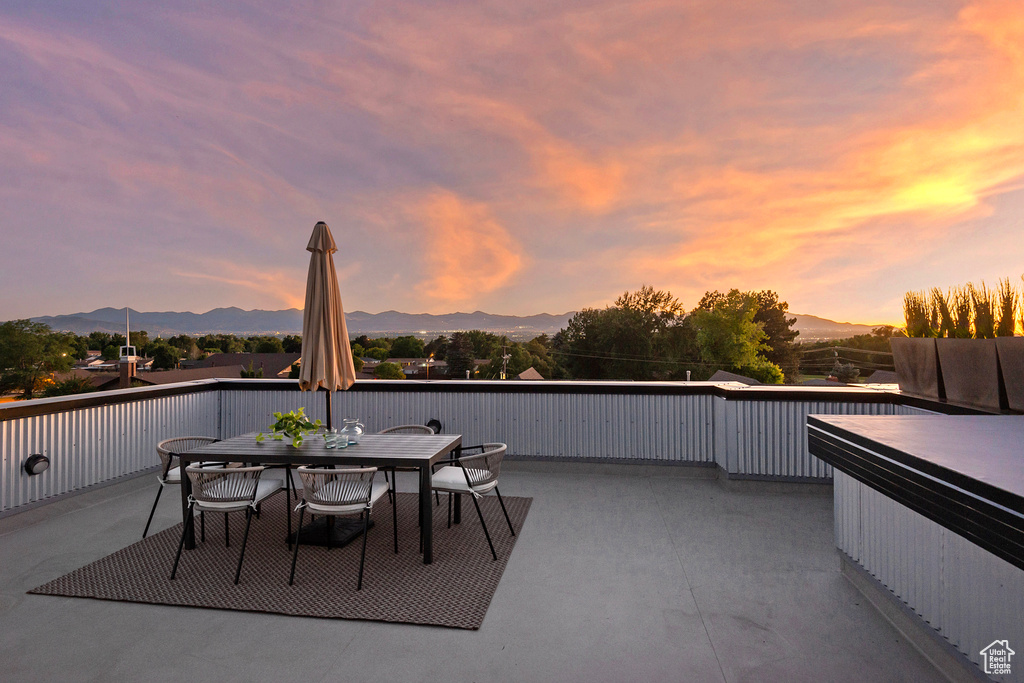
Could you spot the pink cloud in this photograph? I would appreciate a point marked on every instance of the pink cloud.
(468, 252)
(278, 287)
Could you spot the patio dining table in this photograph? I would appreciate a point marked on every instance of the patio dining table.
(373, 450)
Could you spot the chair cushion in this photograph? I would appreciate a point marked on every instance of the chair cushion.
(452, 478)
(267, 488)
(376, 491)
(264, 489)
(278, 474)
(174, 474)
(281, 474)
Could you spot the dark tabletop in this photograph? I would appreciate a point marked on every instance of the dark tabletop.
(383, 450)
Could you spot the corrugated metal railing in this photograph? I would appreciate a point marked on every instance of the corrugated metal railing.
(764, 439)
(100, 437)
(94, 444)
(561, 425)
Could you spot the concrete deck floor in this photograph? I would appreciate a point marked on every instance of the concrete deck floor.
(621, 574)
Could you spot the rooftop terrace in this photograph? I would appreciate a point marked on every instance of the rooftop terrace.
(620, 573)
(677, 532)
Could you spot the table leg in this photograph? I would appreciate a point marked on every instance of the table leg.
(187, 519)
(458, 508)
(427, 515)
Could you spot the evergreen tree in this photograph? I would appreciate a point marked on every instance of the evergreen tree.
(459, 355)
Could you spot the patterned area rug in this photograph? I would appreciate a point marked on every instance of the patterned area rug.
(455, 590)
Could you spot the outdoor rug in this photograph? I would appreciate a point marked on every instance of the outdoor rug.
(455, 590)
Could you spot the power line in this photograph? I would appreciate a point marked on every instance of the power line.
(833, 349)
(641, 359)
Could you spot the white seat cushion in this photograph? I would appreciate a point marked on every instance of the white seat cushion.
(174, 474)
(264, 489)
(267, 488)
(274, 473)
(378, 490)
(281, 474)
(453, 479)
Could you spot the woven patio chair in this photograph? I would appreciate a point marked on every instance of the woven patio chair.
(403, 429)
(170, 472)
(234, 489)
(408, 429)
(340, 492)
(475, 475)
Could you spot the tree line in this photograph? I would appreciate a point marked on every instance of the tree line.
(31, 354)
(647, 335)
(644, 335)
(461, 351)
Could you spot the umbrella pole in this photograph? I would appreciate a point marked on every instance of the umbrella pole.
(329, 410)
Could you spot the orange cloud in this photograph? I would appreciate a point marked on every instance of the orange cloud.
(590, 186)
(467, 251)
(936, 167)
(274, 286)
(445, 97)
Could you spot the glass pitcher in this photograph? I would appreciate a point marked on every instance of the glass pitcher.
(353, 429)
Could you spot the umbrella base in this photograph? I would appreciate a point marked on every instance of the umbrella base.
(328, 531)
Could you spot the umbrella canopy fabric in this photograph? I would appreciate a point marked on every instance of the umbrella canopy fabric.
(326, 352)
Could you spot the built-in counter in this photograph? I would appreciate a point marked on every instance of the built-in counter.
(931, 508)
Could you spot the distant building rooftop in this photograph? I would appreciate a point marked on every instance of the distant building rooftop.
(882, 377)
(723, 376)
(273, 364)
(171, 376)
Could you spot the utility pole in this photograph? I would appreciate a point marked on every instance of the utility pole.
(505, 356)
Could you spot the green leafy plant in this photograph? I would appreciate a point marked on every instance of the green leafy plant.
(294, 424)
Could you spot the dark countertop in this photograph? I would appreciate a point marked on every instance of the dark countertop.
(965, 472)
(985, 448)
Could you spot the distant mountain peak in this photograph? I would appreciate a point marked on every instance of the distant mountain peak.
(234, 320)
(815, 328)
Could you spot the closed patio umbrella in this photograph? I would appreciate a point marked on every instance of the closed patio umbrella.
(326, 352)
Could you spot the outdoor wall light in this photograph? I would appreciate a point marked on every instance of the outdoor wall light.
(37, 463)
(435, 424)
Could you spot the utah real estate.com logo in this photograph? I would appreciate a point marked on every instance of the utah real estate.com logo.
(997, 658)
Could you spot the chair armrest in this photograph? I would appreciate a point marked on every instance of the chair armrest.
(456, 455)
(467, 461)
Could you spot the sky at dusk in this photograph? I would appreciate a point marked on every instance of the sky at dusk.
(512, 157)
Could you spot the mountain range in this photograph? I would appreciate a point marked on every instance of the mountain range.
(389, 323)
(289, 321)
